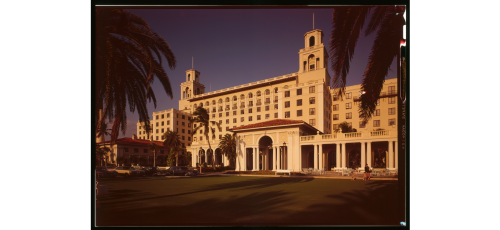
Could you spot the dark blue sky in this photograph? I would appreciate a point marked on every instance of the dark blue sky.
(237, 46)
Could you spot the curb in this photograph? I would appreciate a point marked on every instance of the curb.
(319, 177)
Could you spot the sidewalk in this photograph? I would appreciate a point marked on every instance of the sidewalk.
(327, 175)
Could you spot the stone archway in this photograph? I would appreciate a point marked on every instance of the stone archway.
(354, 159)
(218, 156)
(265, 152)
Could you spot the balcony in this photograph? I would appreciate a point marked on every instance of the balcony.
(235, 107)
(242, 106)
(258, 103)
(275, 101)
(353, 136)
(267, 102)
(227, 109)
(250, 105)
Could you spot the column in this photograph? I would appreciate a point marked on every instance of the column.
(391, 155)
(280, 156)
(300, 158)
(369, 154)
(315, 157)
(363, 155)
(274, 157)
(337, 165)
(320, 155)
(396, 153)
(344, 160)
(255, 155)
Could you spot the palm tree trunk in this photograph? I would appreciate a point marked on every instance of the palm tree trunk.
(210, 148)
(154, 158)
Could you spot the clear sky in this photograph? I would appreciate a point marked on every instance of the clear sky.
(237, 46)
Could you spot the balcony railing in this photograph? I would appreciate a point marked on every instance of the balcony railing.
(250, 105)
(267, 102)
(258, 103)
(275, 101)
(227, 109)
(242, 106)
(235, 107)
(342, 136)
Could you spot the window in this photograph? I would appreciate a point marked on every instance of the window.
(220, 122)
(157, 124)
(335, 98)
(258, 109)
(249, 110)
(242, 119)
(250, 95)
(139, 127)
(162, 131)
(335, 116)
(258, 117)
(189, 138)
(376, 123)
(194, 139)
(267, 116)
(201, 131)
(194, 126)
(242, 97)
(136, 150)
(392, 121)
(227, 128)
(189, 131)
(168, 115)
(183, 117)
(201, 138)
(220, 137)
(242, 111)
(335, 126)
(335, 107)
(182, 137)
(268, 100)
(162, 116)
(392, 111)
(312, 100)
(312, 122)
(312, 89)
(348, 115)
(276, 106)
(184, 124)
(299, 91)
(163, 137)
(234, 120)
(362, 124)
(213, 102)
(235, 98)
(287, 93)
(287, 104)
(182, 130)
(249, 118)
(250, 103)
(220, 114)
(392, 100)
(348, 95)
(157, 131)
(312, 111)
(259, 102)
(392, 89)
(177, 115)
(227, 107)
(227, 121)
(276, 90)
(377, 112)
(162, 123)
(227, 99)
(275, 99)
(299, 113)
(156, 117)
(348, 105)
(258, 94)
(268, 92)
(275, 115)
(267, 107)
(227, 114)
(234, 113)
(299, 102)
(145, 150)
(287, 114)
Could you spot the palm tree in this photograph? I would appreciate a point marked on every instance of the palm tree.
(101, 153)
(102, 131)
(154, 148)
(171, 140)
(344, 127)
(348, 23)
(128, 58)
(201, 116)
(228, 146)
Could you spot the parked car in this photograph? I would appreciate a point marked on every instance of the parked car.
(102, 171)
(155, 171)
(182, 171)
(129, 171)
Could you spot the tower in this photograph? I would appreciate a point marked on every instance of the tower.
(314, 56)
(190, 88)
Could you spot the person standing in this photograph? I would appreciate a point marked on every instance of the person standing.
(367, 173)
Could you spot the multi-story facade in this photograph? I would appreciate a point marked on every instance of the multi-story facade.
(305, 114)
(299, 110)
(171, 119)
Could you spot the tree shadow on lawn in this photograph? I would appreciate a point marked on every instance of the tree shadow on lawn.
(234, 210)
(258, 183)
(374, 205)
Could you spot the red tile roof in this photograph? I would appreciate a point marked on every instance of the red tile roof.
(270, 123)
(128, 140)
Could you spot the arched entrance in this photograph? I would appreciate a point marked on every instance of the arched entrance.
(265, 153)
(218, 157)
(332, 160)
(379, 155)
(201, 156)
(209, 158)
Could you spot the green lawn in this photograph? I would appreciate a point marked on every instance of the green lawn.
(246, 201)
